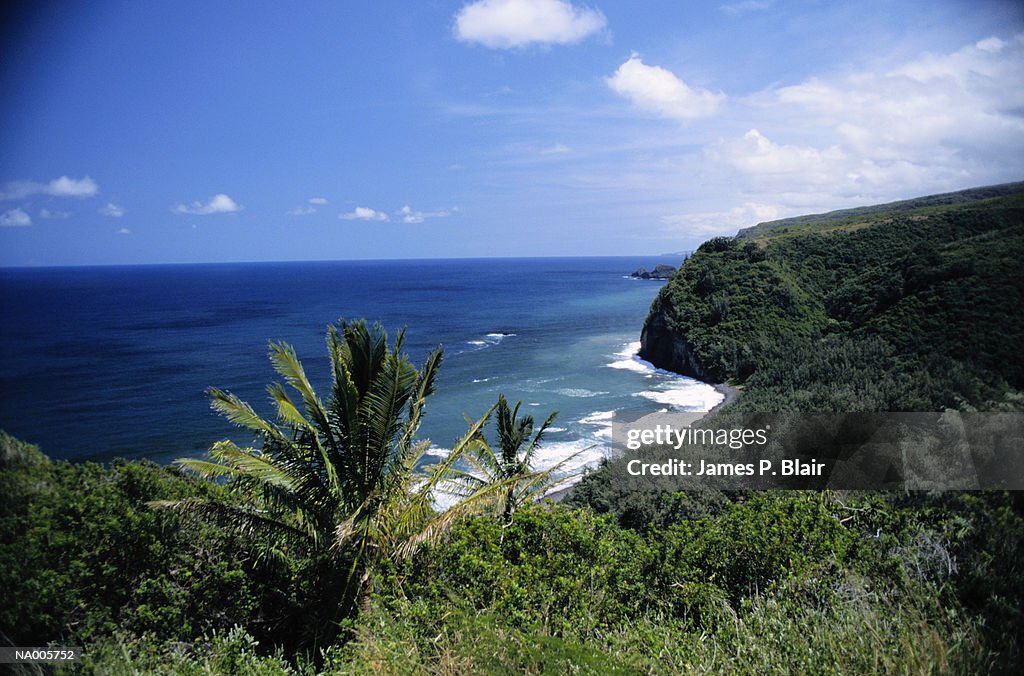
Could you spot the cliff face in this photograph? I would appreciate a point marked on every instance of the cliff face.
(667, 350)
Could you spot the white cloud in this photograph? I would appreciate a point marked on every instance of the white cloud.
(124, 231)
(557, 149)
(112, 210)
(503, 24)
(71, 187)
(15, 218)
(58, 187)
(364, 214)
(409, 215)
(658, 90)
(309, 207)
(48, 214)
(218, 204)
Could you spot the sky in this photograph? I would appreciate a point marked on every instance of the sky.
(179, 132)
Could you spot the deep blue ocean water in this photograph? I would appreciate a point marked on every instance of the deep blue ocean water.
(105, 362)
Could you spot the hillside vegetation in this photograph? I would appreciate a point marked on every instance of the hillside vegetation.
(768, 582)
(889, 309)
(855, 217)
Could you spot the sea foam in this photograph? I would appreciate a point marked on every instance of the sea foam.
(628, 359)
(674, 390)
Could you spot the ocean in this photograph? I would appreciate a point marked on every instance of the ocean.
(105, 362)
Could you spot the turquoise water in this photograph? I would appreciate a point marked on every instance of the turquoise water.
(97, 363)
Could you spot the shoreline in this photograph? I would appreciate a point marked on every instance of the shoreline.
(729, 395)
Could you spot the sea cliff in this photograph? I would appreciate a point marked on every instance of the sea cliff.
(668, 350)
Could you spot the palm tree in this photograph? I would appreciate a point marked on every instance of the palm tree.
(505, 478)
(338, 481)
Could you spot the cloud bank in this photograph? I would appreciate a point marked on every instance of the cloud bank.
(936, 122)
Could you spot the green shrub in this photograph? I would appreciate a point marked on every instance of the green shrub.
(82, 556)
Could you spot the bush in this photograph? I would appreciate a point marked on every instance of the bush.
(81, 555)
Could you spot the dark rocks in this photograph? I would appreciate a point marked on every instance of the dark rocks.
(668, 351)
(661, 271)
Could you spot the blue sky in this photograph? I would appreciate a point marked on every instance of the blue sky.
(154, 132)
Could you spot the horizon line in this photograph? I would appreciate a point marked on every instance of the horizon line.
(4, 268)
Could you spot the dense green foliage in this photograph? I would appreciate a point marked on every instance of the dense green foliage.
(897, 311)
(81, 555)
(803, 582)
(915, 310)
(807, 582)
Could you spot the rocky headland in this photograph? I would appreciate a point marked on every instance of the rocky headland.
(660, 271)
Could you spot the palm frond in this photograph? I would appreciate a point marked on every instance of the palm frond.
(423, 388)
(538, 437)
(208, 470)
(286, 409)
(434, 528)
(366, 350)
(345, 403)
(381, 411)
(240, 413)
(439, 472)
(244, 520)
(541, 481)
(248, 462)
(287, 364)
(346, 530)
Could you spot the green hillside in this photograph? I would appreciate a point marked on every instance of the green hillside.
(910, 306)
(860, 216)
